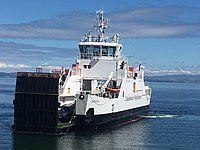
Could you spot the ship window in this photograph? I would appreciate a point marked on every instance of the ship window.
(88, 51)
(86, 85)
(83, 51)
(111, 51)
(104, 51)
(85, 66)
(82, 48)
(96, 51)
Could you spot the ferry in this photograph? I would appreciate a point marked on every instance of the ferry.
(100, 90)
(103, 88)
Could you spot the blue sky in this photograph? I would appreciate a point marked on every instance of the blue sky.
(162, 35)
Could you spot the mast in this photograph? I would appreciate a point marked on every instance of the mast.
(101, 25)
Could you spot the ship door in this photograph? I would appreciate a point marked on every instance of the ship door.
(87, 85)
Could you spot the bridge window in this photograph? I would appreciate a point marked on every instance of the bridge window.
(111, 51)
(96, 51)
(104, 51)
(108, 51)
(88, 51)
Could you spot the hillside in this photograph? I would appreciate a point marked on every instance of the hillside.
(174, 78)
(7, 75)
(166, 78)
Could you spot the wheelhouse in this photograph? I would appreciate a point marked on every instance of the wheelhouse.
(89, 51)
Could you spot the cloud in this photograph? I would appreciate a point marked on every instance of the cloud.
(186, 70)
(142, 22)
(62, 27)
(52, 67)
(13, 66)
(32, 55)
(22, 67)
(158, 22)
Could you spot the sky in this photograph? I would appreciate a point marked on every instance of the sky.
(161, 35)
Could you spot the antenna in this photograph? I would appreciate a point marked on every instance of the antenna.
(133, 51)
(101, 24)
(131, 55)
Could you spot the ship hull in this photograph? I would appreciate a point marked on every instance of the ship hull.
(111, 120)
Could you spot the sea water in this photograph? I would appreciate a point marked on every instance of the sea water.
(173, 123)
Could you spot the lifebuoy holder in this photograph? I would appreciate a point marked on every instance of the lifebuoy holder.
(81, 97)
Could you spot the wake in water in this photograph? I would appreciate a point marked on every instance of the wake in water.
(157, 115)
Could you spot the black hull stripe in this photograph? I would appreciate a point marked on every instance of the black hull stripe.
(111, 120)
(128, 122)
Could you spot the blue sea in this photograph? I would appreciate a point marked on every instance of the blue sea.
(172, 124)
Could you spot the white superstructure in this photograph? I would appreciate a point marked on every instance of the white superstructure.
(101, 82)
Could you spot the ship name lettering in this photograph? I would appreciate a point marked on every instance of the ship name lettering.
(130, 98)
(94, 101)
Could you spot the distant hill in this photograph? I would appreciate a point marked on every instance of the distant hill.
(174, 78)
(7, 75)
(164, 78)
